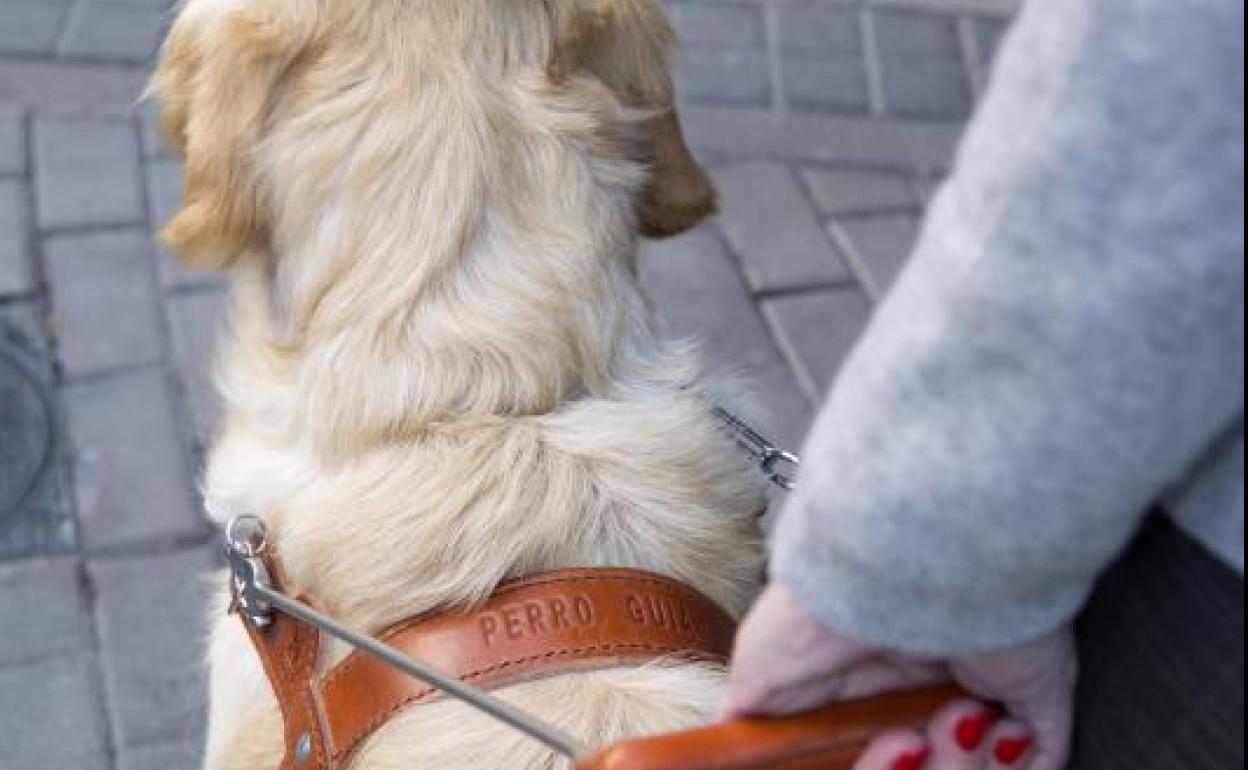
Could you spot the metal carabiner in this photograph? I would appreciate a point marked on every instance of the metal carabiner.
(763, 451)
(245, 542)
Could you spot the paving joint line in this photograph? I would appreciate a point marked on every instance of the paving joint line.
(173, 374)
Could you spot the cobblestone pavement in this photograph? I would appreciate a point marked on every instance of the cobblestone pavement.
(828, 123)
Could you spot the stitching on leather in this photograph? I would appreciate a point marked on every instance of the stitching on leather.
(678, 653)
(356, 658)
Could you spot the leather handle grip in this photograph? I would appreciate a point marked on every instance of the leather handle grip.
(831, 739)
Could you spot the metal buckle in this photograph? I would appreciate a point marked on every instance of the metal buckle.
(768, 456)
(245, 542)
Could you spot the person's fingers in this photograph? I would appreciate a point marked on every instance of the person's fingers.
(1036, 683)
(897, 751)
(958, 735)
(785, 661)
(1011, 746)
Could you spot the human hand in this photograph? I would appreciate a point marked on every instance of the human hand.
(786, 662)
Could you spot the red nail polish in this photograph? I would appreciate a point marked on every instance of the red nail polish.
(915, 760)
(1010, 750)
(971, 730)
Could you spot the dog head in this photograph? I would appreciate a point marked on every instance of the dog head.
(229, 67)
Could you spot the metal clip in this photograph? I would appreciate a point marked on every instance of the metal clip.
(768, 456)
(245, 542)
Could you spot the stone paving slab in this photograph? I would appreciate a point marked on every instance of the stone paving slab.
(58, 84)
(12, 140)
(165, 757)
(31, 26)
(877, 247)
(104, 301)
(838, 192)
(904, 145)
(130, 473)
(816, 330)
(43, 613)
(51, 718)
(195, 320)
(770, 225)
(87, 171)
(152, 614)
(16, 270)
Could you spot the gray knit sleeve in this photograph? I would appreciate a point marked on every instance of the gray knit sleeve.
(1066, 342)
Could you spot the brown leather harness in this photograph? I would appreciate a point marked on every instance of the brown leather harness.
(550, 624)
(556, 623)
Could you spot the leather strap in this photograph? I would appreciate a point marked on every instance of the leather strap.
(831, 739)
(555, 623)
(289, 649)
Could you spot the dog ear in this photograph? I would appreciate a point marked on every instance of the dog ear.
(628, 45)
(216, 81)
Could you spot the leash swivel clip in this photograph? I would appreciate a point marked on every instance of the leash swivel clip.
(770, 458)
(245, 543)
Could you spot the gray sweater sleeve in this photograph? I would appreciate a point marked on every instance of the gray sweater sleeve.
(1066, 342)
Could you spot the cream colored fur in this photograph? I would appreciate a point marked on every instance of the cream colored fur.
(440, 371)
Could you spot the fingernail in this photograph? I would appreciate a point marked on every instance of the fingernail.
(1010, 750)
(914, 760)
(971, 730)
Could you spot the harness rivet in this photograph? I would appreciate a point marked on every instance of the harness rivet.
(303, 748)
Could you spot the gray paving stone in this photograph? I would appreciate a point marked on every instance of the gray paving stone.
(859, 192)
(116, 30)
(131, 478)
(55, 84)
(12, 140)
(878, 248)
(87, 171)
(773, 229)
(164, 199)
(16, 273)
(104, 300)
(153, 622)
(165, 757)
(916, 34)
(926, 186)
(725, 77)
(819, 26)
(698, 293)
(718, 24)
(153, 144)
(921, 65)
(747, 134)
(51, 716)
(817, 330)
(195, 322)
(831, 82)
(989, 34)
(926, 88)
(30, 26)
(43, 612)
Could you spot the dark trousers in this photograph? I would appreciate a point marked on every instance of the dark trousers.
(1162, 646)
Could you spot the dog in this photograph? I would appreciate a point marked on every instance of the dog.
(440, 371)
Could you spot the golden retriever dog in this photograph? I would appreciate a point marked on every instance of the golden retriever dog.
(440, 371)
